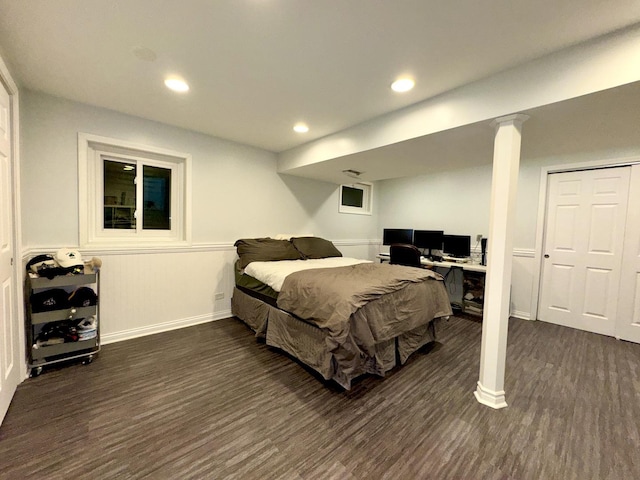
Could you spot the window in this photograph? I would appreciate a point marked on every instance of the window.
(131, 193)
(356, 198)
(352, 197)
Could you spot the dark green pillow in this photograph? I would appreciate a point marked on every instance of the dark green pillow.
(315, 247)
(265, 250)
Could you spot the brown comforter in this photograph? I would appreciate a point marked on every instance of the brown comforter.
(332, 299)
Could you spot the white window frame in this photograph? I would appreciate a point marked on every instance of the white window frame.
(367, 199)
(92, 151)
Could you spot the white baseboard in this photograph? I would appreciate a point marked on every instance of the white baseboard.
(489, 397)
(162, 327)
(521, 314)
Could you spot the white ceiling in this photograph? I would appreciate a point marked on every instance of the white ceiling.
(258, 66)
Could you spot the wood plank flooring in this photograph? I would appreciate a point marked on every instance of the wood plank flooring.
(208, 402)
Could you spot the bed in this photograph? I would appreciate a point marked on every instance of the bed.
(342, 317)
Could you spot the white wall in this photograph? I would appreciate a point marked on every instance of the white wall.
(456, 202)
(236, 192)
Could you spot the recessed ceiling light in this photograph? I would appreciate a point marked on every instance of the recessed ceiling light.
(176, 85)
(300, 128)
(403, 84)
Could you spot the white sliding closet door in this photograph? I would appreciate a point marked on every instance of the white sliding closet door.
(628, 324)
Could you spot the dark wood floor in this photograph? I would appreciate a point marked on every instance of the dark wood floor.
(210, 402)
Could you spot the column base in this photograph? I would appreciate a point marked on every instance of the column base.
(489, 397)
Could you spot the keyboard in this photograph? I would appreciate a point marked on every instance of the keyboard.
(383, 254)
(456, 259)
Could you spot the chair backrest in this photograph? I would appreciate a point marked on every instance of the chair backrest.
(404, 254)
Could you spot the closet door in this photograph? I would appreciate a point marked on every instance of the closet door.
(628, 324)
(584, 236)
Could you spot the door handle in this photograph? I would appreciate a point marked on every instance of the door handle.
(546, 255)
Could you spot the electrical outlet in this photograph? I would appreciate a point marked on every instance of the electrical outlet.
(478, 237)
(219, 296)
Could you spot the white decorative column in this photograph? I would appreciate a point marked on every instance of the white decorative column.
(506, 163)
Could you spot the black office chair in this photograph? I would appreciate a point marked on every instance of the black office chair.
(404, 254)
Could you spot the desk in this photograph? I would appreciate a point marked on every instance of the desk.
(473, 276)
(471, 267)
(468, 266)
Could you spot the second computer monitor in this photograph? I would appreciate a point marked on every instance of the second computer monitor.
(397, 235)
(457, 245)
(428, 239)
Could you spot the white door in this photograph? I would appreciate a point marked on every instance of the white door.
(629, 303)
(9, 350)
(584, 236)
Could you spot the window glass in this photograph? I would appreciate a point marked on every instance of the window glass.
(352, 197)
(119, 195)
(156, 198)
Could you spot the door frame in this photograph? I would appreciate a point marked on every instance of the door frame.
(12, 88)
(542, 211)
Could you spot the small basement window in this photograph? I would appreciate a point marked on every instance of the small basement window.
(132, 193)
(356, 198)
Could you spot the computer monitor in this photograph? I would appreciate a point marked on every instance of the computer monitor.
(397, 235)
(431, 239)
(457, 245)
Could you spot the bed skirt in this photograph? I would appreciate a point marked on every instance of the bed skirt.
(308, 343)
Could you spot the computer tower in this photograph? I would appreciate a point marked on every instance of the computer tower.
(483, 245)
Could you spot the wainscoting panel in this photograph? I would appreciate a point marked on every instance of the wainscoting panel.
(144, 292)
(357, 248)
(522, 283)
(147, 293)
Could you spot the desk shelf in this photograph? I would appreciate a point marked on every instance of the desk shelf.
(473, 293)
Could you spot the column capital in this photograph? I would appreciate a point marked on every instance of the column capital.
(517, 119)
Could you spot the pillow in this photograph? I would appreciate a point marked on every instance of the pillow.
(315, 247)
(265, 250)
